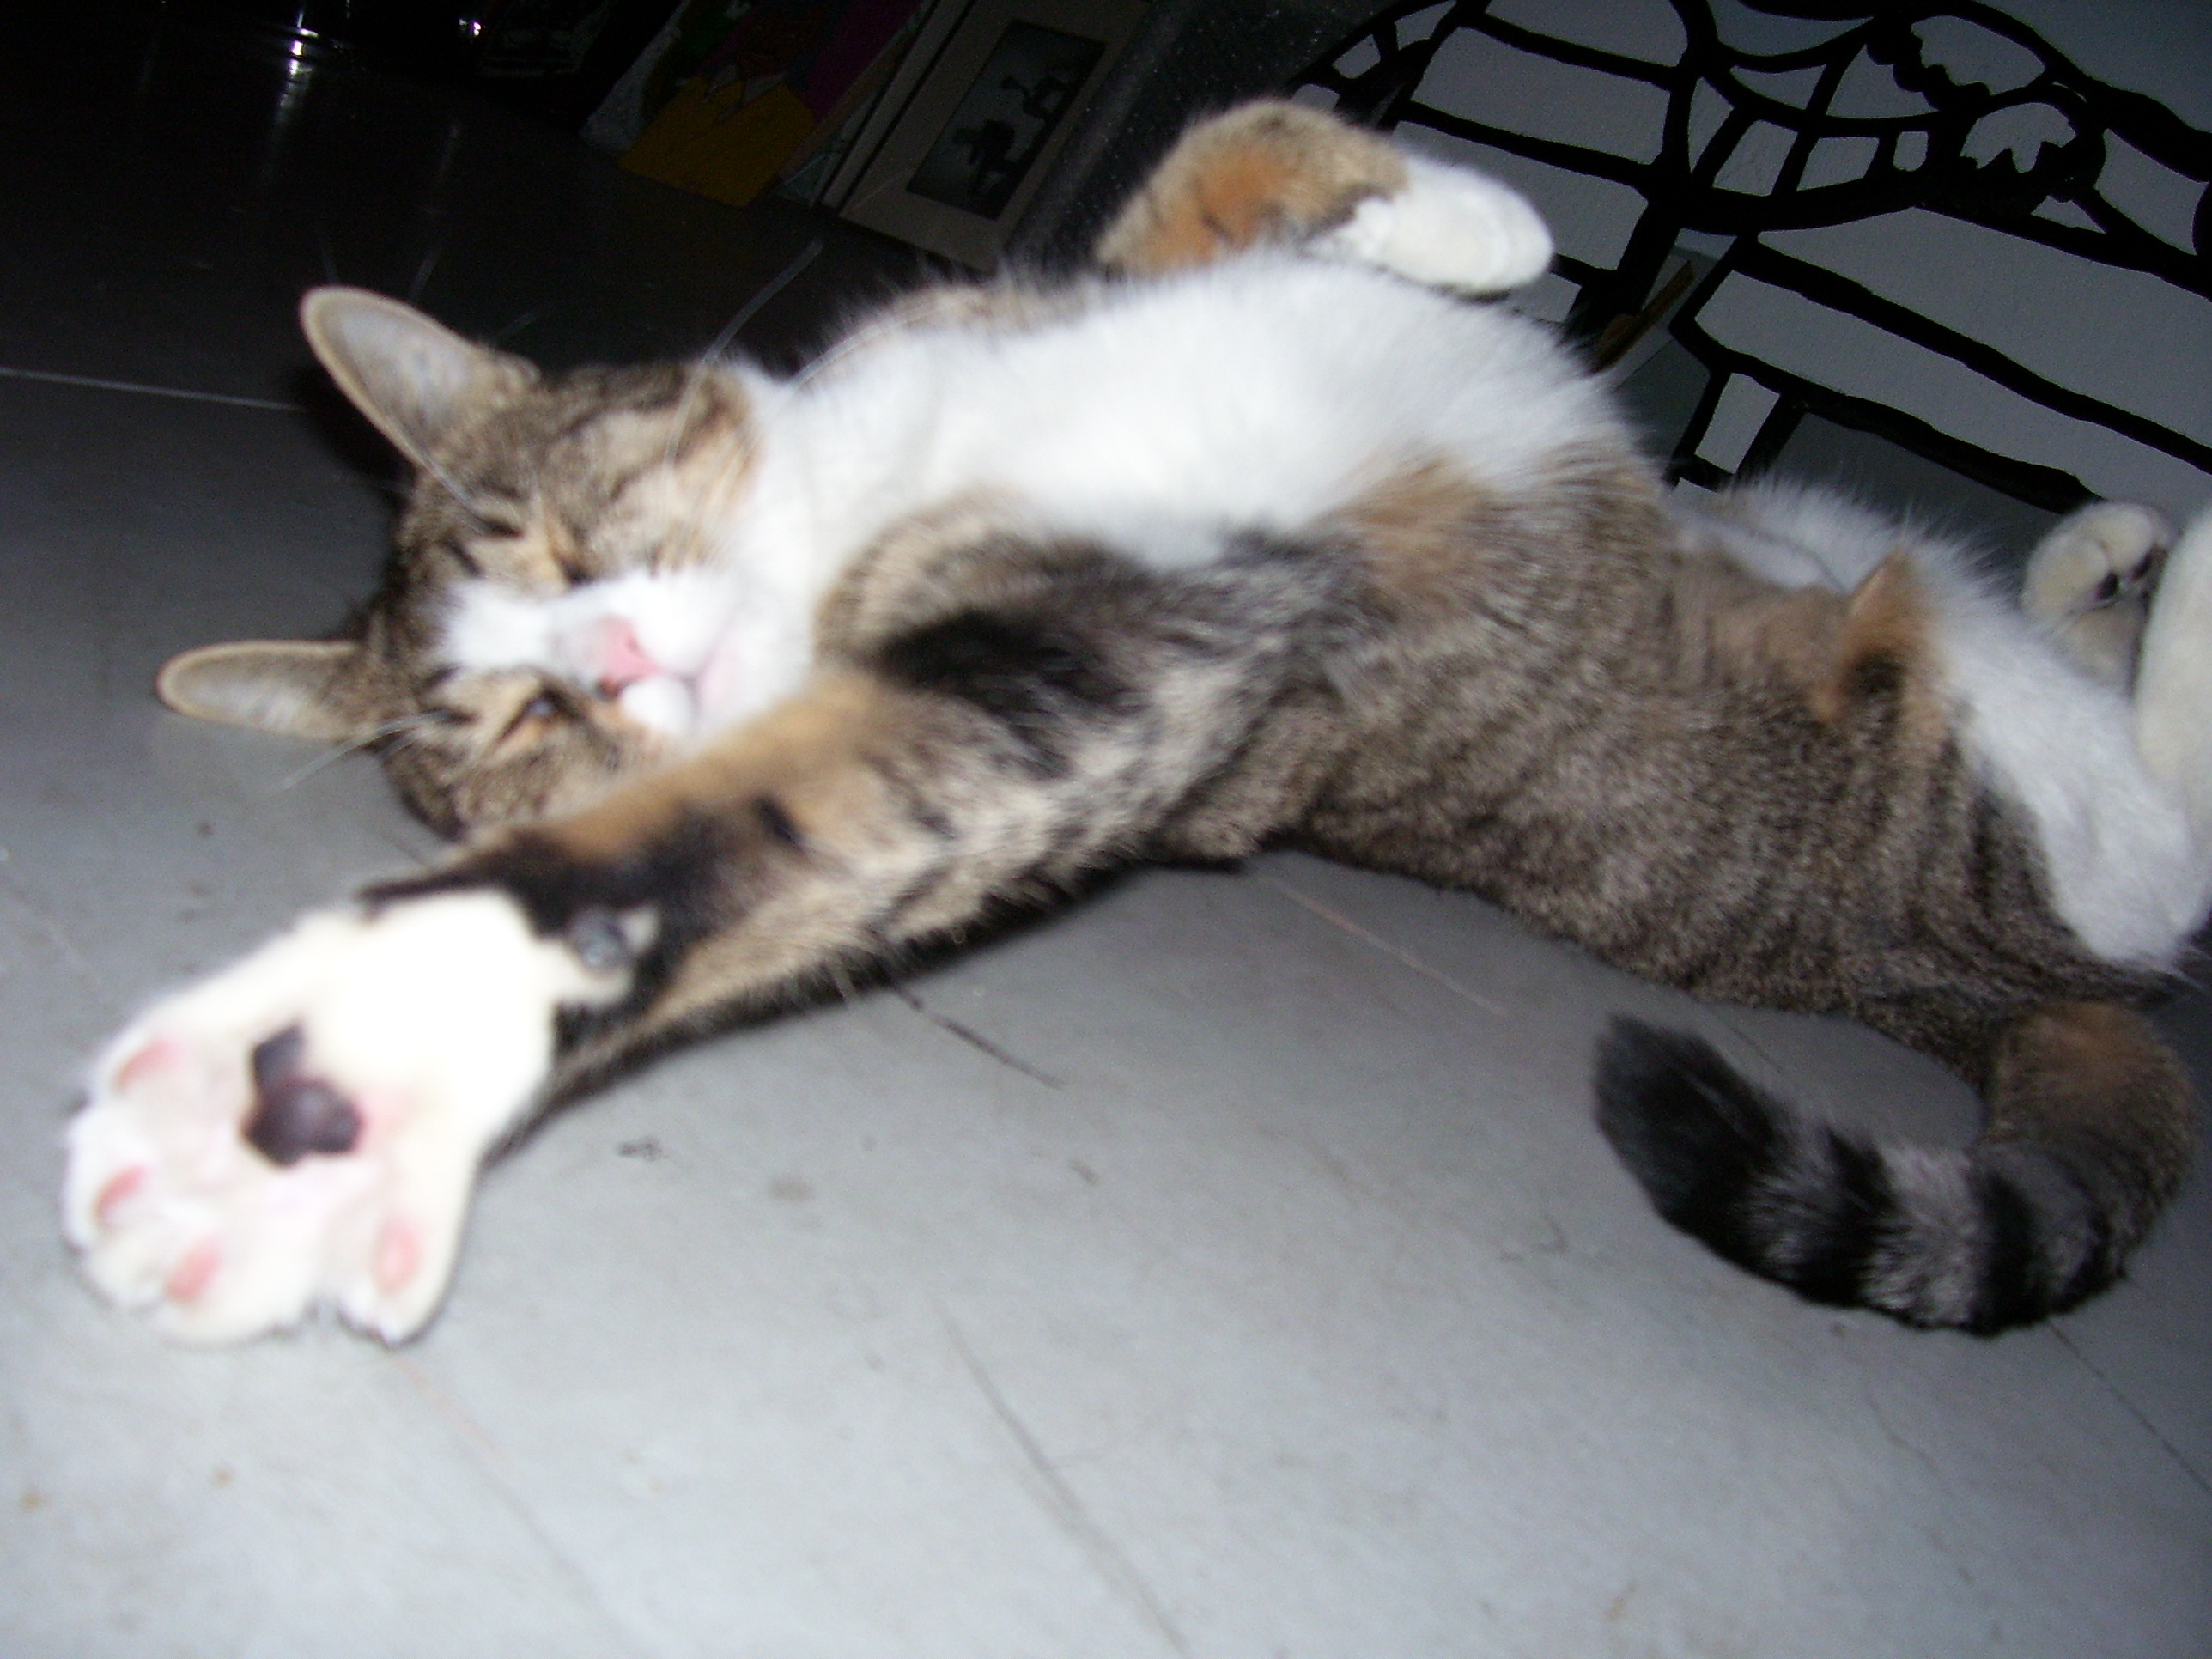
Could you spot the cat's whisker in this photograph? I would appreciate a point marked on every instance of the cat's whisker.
(858, 340)
(406, 727)
(692, 376)
(422, 272)
(436, 469)
(521, 323)
(707, 359)
(331, 758)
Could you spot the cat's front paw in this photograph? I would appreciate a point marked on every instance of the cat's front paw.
(304, 1129)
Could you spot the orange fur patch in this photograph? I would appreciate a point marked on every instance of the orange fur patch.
(1240, 199)
(1837, 649)
(1795, 631)
(1415, 529)
(2095, 1067)
(1888, 630)
(1267, 172)
(796, 752)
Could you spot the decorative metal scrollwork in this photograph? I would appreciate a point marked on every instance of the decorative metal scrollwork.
(1751, 146)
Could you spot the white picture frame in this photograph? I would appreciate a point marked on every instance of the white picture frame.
(956, 169)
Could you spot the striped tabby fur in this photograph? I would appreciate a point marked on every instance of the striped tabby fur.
(1501, 662)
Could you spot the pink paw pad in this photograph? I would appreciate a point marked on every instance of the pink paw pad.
(398, 1255)
(119, 1191)
(156, 1056)
(194, 1271)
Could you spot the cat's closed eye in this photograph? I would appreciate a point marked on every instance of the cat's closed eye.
(531, 718)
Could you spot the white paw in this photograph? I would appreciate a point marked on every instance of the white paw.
(304, 1129)
(1448, 227)
(2089, 583)
(2174, 686)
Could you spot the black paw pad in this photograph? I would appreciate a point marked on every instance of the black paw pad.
(294, 1113)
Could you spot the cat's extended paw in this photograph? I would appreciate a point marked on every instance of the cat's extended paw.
(304, 1129)
(1450, 228)
(2090, 582)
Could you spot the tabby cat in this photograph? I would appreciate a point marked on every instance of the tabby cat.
(1258, 535)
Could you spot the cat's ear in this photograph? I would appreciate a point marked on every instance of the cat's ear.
(296, 688)
(414, 378)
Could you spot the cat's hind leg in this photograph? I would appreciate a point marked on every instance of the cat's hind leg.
(2089, 581)
(1280, 174)
(305, 1129)
(2173, 679)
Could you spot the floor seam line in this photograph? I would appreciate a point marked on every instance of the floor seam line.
(974, 1039)
(1107, 1558)
(2134, 1410)
(1398, 954)
(492, 1461)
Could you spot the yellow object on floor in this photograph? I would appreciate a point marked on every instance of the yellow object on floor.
(721, 144)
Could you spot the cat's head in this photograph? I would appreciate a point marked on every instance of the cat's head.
(555, 603)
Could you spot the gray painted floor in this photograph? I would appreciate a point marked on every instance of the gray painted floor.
(1229, 1267)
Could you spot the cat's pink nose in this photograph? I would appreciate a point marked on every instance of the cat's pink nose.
(622, 661)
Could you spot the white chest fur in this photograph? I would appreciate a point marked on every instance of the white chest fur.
(1258, 394)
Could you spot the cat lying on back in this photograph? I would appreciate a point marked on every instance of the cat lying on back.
(730, 682)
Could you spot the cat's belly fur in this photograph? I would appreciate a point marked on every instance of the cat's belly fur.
(1257, 395)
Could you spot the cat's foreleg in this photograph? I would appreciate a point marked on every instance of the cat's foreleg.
(305, 1130)
(1281, 174)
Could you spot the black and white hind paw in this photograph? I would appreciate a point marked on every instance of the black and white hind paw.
(304, 1129)
(2090, 582)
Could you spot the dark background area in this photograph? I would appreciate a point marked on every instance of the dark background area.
(444, 41)
(1189, 56)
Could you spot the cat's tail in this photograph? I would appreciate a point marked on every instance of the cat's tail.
(2089, 1132)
